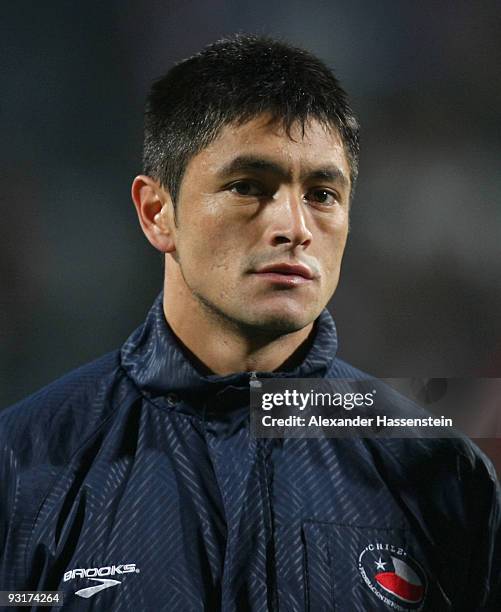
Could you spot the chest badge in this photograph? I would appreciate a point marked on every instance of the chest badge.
(393, 576)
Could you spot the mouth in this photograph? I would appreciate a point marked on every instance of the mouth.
(289, 275)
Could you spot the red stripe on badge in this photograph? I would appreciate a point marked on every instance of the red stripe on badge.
(399, 587)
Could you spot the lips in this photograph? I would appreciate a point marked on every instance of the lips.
(286, 275)
(287, 270)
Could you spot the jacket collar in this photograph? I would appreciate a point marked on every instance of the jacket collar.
(158, 363)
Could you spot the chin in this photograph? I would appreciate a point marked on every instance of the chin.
(270, 319)
(280, 323)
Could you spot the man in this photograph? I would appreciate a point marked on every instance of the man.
(134, 483)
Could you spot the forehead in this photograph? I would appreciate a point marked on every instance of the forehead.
(315, 146)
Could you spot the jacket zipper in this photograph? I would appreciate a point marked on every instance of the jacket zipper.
(254, 381)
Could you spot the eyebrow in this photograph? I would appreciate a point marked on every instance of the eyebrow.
(246, 163)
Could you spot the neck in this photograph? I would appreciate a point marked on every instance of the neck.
(222, 346)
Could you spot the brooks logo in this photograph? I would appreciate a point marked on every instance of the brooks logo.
(95, 573)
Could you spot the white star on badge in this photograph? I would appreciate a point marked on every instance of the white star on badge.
(380, 564)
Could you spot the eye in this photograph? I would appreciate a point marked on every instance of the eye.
(246, 188)
(322, 196)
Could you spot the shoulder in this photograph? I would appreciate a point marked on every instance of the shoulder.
(442, 468)
(428, 460)
(42, 438)
(62, 413)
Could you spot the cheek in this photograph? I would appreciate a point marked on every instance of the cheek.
(209, 250)
(333, 243)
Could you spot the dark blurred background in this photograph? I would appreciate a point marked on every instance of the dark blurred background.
(420, 293)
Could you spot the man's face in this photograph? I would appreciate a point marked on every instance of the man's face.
(262, 222)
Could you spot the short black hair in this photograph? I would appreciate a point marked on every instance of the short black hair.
(233, 81)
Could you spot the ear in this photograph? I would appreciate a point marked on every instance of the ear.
(155, 211)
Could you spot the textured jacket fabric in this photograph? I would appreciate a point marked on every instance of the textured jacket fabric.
(133, 483)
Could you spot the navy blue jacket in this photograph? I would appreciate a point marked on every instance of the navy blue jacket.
(133, 483)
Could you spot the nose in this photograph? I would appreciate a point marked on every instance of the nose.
(289, 223)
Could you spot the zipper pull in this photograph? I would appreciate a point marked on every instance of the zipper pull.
(254, 381)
